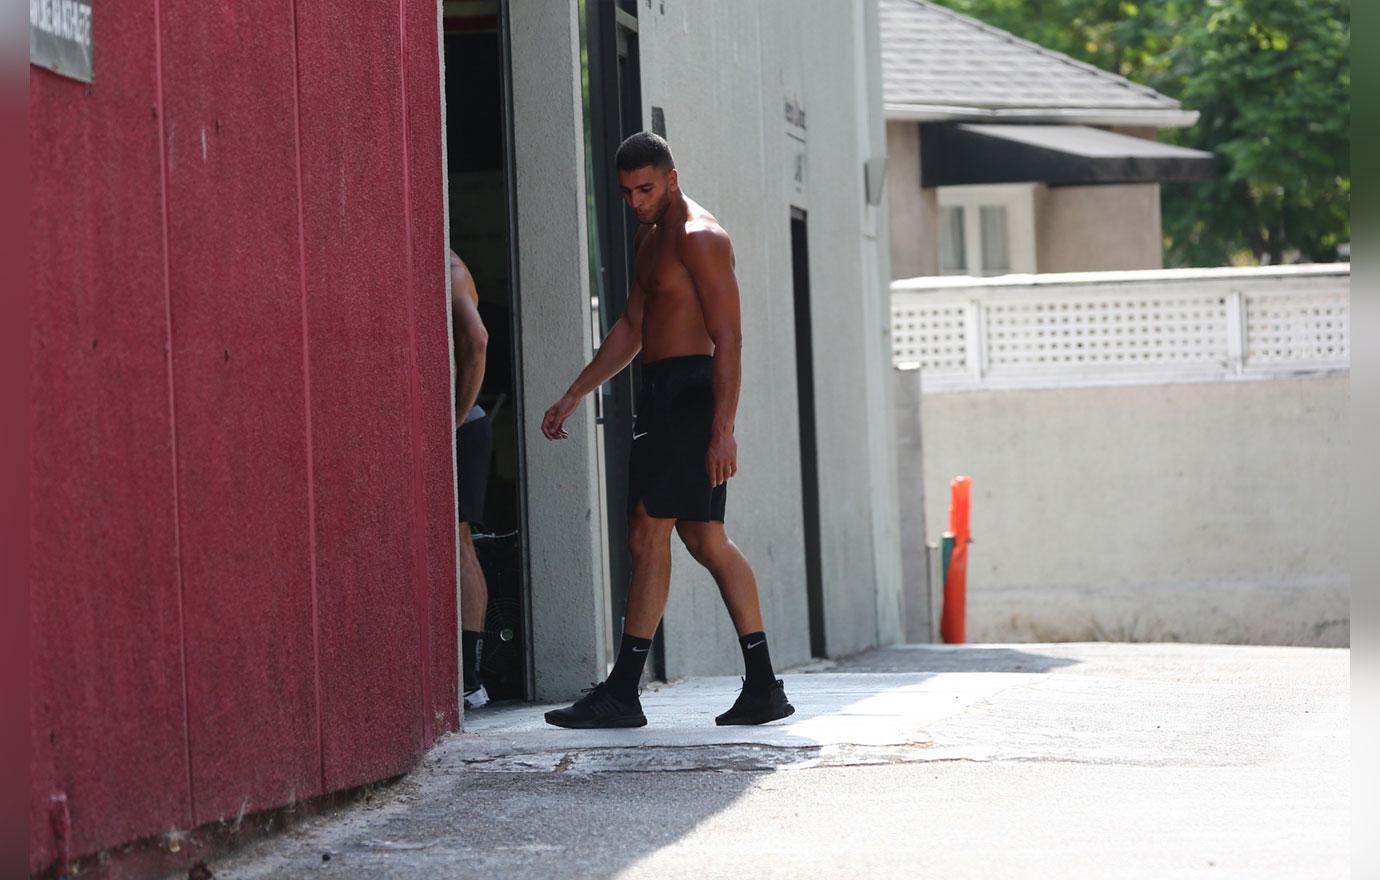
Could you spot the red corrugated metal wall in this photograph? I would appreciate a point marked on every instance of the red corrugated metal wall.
(241, 481)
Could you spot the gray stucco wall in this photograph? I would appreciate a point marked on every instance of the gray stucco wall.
(722, 71)
(884, 490)
(1095, 228)
(920, 619)
(914, 212)
(1209, 512)
(568, 585)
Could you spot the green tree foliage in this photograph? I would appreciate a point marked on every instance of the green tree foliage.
(1272, 82)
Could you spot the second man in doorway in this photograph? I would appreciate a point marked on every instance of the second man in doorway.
(473, 448)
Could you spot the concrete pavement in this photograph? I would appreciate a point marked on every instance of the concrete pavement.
(1070, 760)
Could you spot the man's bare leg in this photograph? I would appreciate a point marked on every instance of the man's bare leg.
(614, 703)
(474, 602)
(474, 590)
(649, 544)
(709, 544)
(763, 698)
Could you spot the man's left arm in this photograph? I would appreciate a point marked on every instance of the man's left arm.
(708, 254)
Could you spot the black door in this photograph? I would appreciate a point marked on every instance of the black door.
(615, 103)
(809, 453)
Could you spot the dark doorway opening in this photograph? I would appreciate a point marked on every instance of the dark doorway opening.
(809, 450)
(479, 181)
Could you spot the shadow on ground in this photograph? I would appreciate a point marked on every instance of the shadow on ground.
(514, 797)
(444, 821)
(951, 658)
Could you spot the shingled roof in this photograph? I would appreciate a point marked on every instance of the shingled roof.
(940, 65)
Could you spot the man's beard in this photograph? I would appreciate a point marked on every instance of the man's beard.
(656, 218)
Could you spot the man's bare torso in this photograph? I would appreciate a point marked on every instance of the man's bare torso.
(673, 322)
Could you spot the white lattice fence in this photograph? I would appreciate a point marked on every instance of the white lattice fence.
(1105, 330)
(1123, 327)
(931, 336)
(1303, 328)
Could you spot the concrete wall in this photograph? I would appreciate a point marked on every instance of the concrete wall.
(1209, 512)
(727, 126)
(920, 608)
(913, 210)
(884, 490)
(569, 588)
(242, 478)
(1095, 228)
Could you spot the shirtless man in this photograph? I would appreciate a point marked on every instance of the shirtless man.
(473, 447)
(683, 316)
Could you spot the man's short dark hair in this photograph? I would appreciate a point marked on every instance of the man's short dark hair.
(643, 149)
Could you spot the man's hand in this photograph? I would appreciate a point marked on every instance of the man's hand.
(553, 424)
(721, 461)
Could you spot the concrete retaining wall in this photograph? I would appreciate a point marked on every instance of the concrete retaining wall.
(1206, 512)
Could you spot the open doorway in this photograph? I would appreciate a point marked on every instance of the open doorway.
(479, 182)
(809, 447)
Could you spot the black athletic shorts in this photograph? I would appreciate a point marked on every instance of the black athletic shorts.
(675, 412)
(474, 444)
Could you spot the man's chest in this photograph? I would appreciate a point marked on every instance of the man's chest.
(660, 273)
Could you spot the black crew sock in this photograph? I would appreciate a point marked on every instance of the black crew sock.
(627, 669)
(757, 662)
(471, 652)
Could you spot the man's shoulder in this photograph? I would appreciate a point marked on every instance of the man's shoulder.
(704, 234)
(462, 282)
(459, 272)
(698, 221)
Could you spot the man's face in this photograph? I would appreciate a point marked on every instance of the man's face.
(647, 191)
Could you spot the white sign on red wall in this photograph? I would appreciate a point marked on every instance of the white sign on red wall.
(60, 37)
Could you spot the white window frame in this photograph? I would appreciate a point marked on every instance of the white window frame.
(1019, 201)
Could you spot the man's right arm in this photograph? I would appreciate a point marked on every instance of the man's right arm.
(620, 346)
(471, 339)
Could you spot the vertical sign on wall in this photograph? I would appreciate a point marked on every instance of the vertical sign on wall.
(795, 148)
(60, 37)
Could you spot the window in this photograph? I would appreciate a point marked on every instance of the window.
(952, 252)
(996, 255)
(986, 229)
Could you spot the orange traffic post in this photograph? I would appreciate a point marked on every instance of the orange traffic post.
(952, 620)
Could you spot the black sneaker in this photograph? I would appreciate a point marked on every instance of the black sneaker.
(599, 708)
(758, 707)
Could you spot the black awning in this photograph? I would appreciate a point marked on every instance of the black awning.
(1060, 155)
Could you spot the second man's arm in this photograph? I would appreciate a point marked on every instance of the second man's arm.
(471, 339)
